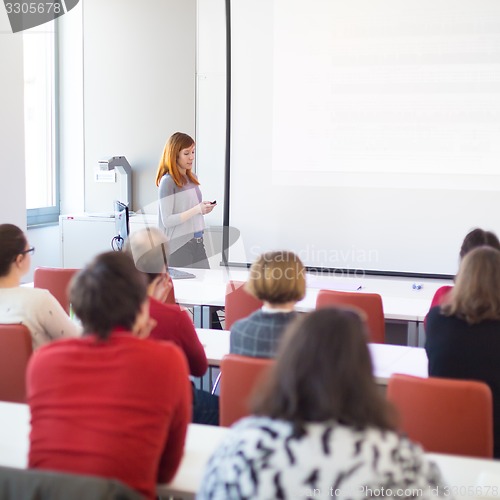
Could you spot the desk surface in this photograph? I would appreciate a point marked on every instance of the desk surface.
(400, 300)
(387, 358)
(468, 477)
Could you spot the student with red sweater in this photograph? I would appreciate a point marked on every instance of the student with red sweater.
(149, 249)
(111, 403)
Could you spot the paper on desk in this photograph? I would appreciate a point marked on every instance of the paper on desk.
(341, 286)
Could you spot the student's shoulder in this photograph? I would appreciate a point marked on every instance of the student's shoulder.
(172, 310)
(255, 317)
(161, 349)
(435, 316)
(59, 349)
(31, 294)
(171, 313)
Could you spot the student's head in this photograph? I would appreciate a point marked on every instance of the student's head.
(109, 292)
(177, 145)
(324, 372)
(277, 278)
(476, 294)
(14, 249)
(148, 248)
(476, 238)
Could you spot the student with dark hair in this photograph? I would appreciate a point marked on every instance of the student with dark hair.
(320, 428)
(278, 279)
(475, 238)
(36, 308)
(463, 334)
(149, 249)
(112, 403)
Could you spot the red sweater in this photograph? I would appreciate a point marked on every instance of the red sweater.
(117, 408)
(175, 325)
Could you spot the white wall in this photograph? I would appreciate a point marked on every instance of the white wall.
(71, 118)
(139, 88)
(211, 103)
(127, 81)
(47, 248)
(12, 185)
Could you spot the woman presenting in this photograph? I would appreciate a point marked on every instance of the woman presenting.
(180, 203)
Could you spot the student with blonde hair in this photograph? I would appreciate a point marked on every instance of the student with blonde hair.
(278, 279)
(463, 334)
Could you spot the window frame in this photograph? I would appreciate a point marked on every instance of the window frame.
(42, 216)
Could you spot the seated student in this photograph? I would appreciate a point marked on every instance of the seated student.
(149, 249)
(278, 279)
(320, 428)
(475, 238)
(36, 308)
(111, 403)
(463, 334)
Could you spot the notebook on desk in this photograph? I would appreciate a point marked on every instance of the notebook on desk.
(177, 274)
(340, 286)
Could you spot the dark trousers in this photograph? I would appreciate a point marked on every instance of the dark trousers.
(205, 407)
(192, 254)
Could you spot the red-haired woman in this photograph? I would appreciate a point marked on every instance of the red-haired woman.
(180, 203)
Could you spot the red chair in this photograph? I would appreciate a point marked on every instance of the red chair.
(238, 303)
(369, 303)
(15, 351)
(445, 415)
(240, 375)
(56, 281)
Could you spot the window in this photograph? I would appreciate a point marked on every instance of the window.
(42, 186)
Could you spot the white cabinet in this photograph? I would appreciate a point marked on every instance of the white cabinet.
(85, 235)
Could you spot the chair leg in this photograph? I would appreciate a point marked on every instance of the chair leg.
(216, 383)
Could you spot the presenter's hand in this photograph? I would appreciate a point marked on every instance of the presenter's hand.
(206, 207)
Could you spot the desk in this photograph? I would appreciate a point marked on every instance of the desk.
(461, 473)
(401, 302)
(14, 434)
(387, 359)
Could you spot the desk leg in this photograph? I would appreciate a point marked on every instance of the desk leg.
(421, 334)
(412, 333)
(198, 316)
(209, 318)
(206, 317)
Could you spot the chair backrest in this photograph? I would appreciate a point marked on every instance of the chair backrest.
(56, 281)
(239, 377)
(15, 351)
(445, 415)
(238, 303)
(369, 303)
(26, 484)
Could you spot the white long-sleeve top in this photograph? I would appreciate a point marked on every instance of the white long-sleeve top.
(39, 311)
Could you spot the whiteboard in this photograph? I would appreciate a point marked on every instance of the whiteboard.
(364, 134)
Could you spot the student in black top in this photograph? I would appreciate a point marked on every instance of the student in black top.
(463, 334)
